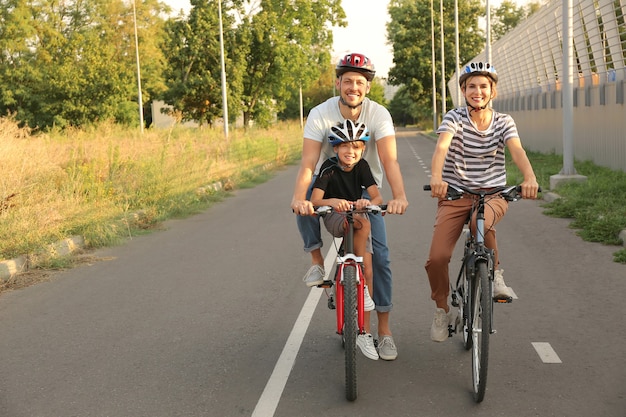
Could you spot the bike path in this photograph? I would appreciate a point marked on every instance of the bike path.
(192, 321)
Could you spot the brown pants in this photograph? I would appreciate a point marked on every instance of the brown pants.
(449, 222)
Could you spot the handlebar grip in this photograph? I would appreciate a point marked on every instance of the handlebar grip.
(519, 189)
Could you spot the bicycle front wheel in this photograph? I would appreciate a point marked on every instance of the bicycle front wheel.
(467, 293)
(350, 329)
(481, 328)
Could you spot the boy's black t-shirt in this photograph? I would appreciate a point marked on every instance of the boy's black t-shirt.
(337, 183)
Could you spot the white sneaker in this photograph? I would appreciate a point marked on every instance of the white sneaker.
(365, 342)
(368, 303)
(314, 276)
(500, 290)
(441, 321)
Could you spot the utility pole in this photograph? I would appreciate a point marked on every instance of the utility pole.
(443, 63)
(139, 97)
(224, 94)
(432, 48)
(568, 172)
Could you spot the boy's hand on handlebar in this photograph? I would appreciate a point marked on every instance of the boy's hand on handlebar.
(302, 207)
(341, 205)
(361, 203)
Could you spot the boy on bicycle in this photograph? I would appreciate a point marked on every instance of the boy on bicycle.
(340, 185)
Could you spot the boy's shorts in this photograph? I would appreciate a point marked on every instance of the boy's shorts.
(335, 222)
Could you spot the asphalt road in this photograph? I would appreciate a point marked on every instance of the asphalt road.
(209, 317)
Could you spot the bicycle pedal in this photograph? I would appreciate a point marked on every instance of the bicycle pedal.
(326, 284)
(505, 300)
(451, 330)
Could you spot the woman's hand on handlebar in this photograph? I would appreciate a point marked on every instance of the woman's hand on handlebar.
(529, 189)
(438, 188)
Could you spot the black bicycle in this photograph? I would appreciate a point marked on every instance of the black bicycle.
(473, 292)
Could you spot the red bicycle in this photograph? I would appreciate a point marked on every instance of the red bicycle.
(349, 290)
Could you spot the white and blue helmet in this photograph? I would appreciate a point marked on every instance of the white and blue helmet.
(348, 131)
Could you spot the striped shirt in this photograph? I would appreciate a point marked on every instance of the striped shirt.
(475, 158)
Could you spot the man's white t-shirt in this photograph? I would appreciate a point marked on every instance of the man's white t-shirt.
(325, 115)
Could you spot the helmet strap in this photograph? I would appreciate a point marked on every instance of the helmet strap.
(339, 164)
(477, 108)
(349, 106)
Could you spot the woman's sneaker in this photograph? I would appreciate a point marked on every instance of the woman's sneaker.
(500, 291)
(439, 329)
(368, 303)
(365, 342)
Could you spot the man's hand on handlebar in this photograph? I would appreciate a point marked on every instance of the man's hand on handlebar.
(397, 206)
(302, 207)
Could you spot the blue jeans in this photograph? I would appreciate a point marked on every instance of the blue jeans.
(309, 227)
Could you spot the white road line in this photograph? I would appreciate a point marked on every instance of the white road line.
(546, 353)
(266, 406)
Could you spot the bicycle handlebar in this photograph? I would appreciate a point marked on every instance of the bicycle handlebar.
(373, 209)
(509, 193)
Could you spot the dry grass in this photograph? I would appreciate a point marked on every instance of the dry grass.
(87, 182)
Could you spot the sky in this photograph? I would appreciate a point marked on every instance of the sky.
(367, 17)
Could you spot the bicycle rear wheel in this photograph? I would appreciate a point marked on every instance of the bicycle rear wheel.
(481, 328)
(350, 329)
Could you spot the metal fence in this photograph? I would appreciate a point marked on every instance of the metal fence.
(529, 61)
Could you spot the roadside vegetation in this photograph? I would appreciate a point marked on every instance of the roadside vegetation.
(597, 206)
(110, 183)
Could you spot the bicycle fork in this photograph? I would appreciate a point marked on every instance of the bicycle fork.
(349, 260)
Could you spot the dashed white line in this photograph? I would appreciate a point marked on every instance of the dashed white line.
(546, 353)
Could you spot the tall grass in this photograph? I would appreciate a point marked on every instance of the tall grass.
(92, 182)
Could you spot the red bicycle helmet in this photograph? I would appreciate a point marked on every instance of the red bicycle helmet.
(356, 62)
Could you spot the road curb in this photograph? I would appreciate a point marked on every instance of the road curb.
(65, 247)
(21, 263)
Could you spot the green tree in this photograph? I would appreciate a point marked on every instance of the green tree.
(508, 15)
(70, 63)
(318, 91)
(403, 109)
(409, 33)
(194, 66)
(289, 40)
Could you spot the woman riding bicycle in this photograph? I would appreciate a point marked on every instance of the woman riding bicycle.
(470, 153)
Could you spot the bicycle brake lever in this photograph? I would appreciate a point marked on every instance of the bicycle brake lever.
(321, 210)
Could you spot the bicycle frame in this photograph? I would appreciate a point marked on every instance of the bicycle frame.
(347, 258)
